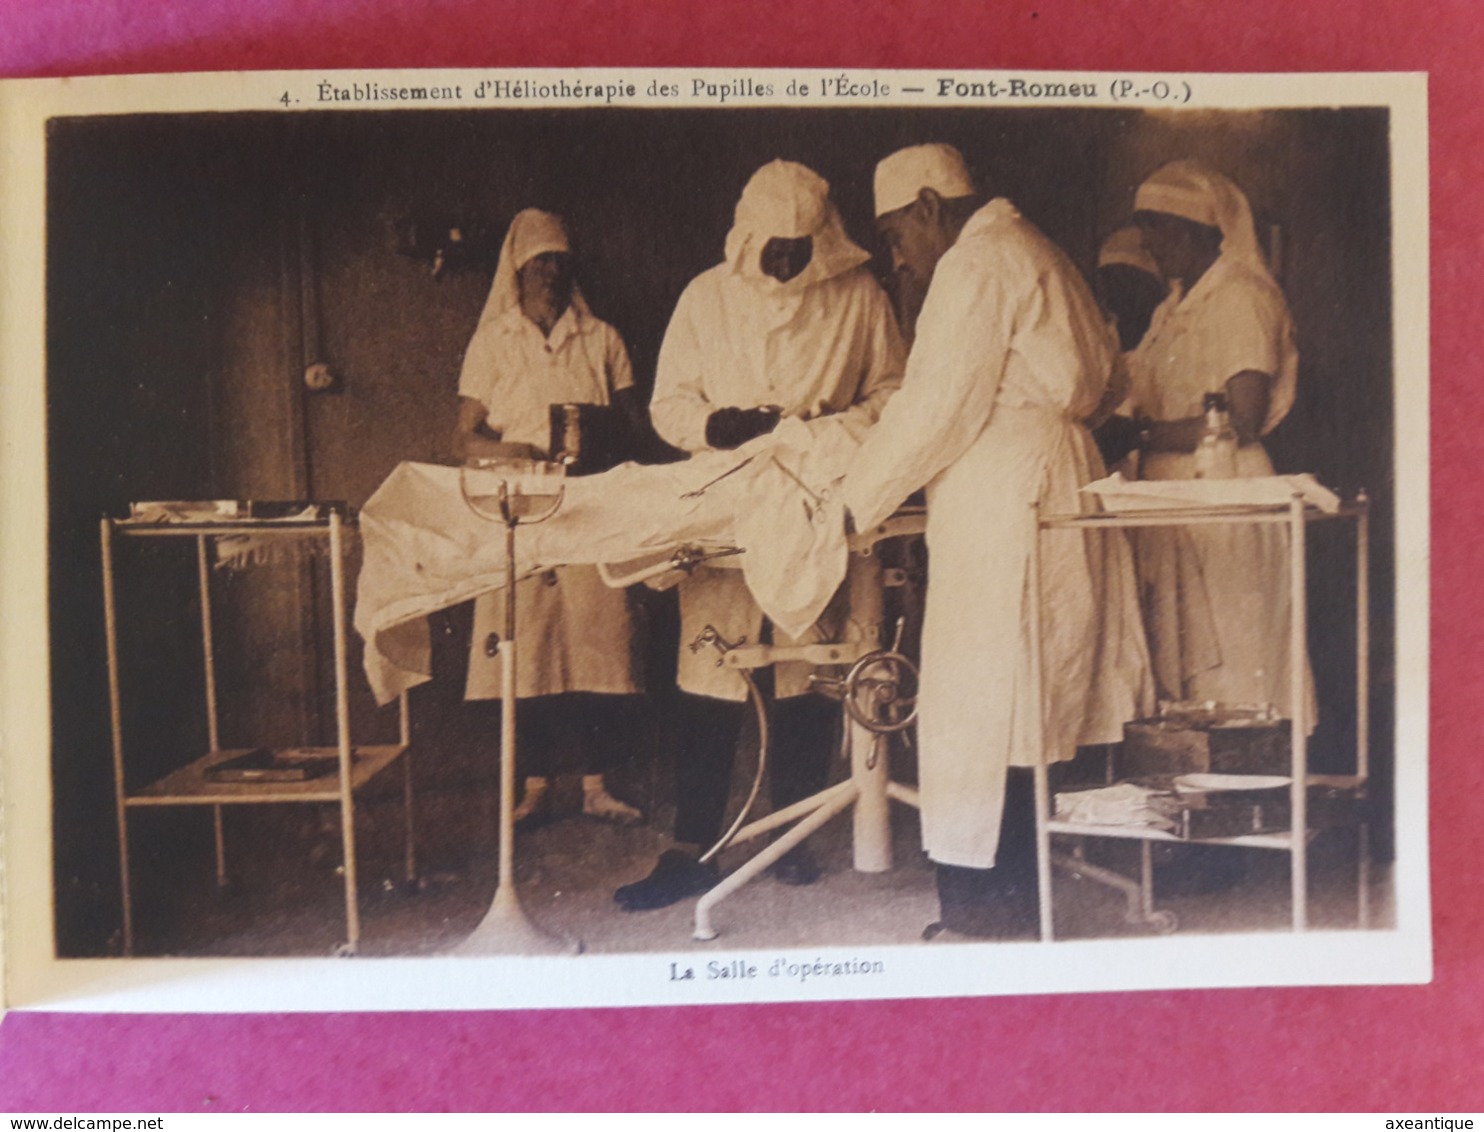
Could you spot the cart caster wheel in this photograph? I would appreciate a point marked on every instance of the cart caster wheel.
(344, 951)
(1164, 922)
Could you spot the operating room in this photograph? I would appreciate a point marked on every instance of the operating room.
(277, 308)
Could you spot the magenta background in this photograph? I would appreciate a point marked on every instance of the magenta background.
(1415, 1048)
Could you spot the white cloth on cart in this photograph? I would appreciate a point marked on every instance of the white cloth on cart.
(425, 548)
(1121, 494)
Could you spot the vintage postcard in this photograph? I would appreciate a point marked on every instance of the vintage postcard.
(967, 530)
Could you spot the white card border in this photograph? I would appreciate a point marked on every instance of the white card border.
(35, 979)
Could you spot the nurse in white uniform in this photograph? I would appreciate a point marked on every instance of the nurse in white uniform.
(1217, 603)
(539, 344)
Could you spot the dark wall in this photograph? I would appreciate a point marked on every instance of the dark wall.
(649, 198)
(197, 264)
(141, 239)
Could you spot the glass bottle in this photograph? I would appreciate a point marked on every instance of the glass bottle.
(1216, 450)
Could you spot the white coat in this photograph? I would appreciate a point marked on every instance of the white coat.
(826, 349)
(1011, 353)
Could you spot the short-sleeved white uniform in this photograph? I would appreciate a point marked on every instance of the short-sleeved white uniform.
(1216, 598)
(575, 634)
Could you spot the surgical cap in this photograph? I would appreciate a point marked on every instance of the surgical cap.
(786, 200)
(900, 177)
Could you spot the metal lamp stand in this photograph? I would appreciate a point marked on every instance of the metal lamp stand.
(505, 929)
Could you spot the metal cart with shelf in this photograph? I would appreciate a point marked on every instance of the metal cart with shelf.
(1296, 515)
(197, 783)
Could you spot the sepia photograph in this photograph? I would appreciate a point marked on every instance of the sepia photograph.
(693, 537)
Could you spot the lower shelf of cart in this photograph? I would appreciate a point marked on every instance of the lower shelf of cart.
(192, 786)
(1278, 839)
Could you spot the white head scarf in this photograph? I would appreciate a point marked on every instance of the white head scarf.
(1190, 190)
(785, 200)
(900, 177)
(531, 233)
(1125, 247)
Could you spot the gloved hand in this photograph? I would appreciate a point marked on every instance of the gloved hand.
(1116, 437)
(727, 428)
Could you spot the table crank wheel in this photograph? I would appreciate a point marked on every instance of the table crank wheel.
(880, 692)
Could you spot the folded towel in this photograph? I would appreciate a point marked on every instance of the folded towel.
(1125, 804)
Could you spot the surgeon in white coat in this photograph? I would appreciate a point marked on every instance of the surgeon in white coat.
(790, 324)
(1011, 354)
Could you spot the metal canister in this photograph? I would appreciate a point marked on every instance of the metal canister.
(566, 433)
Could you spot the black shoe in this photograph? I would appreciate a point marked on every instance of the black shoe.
(675, 877)
(797, 867)
(999, 903)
